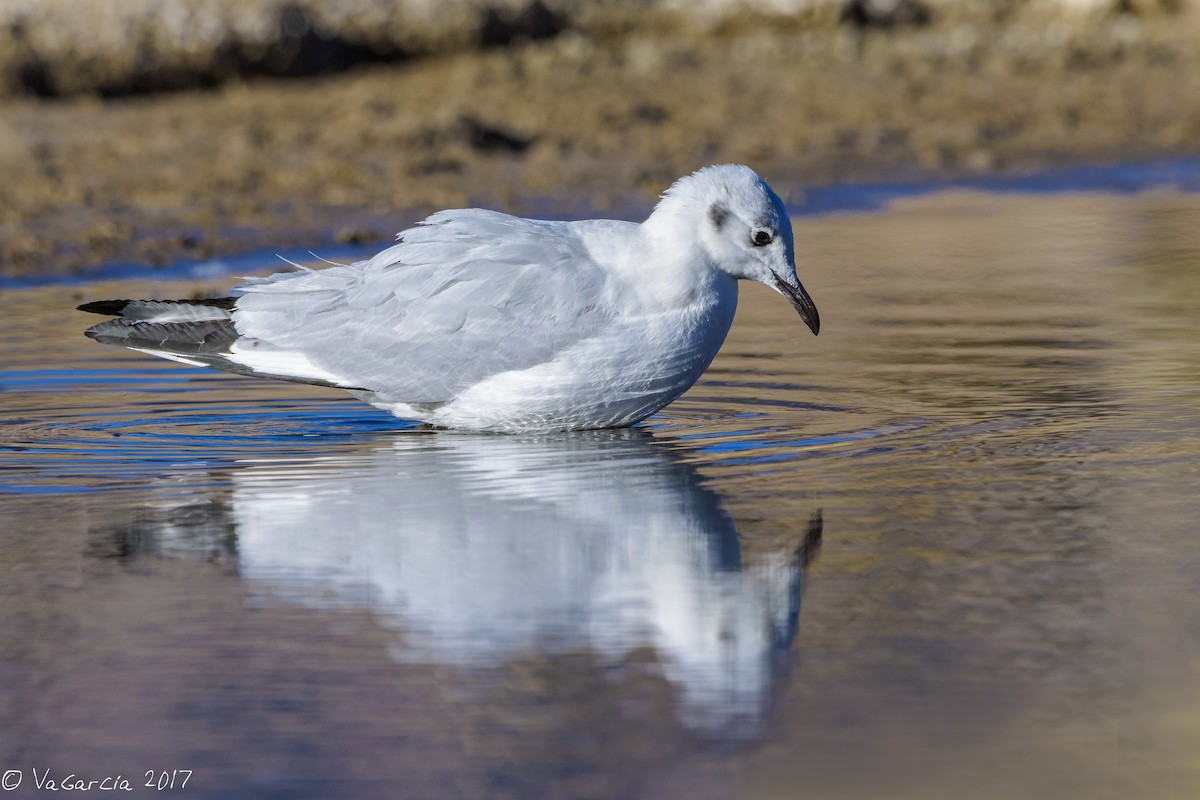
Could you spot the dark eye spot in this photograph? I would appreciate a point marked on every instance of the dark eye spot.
(718, 214)
(761, 238)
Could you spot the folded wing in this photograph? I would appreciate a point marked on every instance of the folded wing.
(465, 295)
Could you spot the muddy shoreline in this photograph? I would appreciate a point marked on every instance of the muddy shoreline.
(581, 123)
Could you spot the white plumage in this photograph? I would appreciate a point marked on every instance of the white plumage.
(484, 321)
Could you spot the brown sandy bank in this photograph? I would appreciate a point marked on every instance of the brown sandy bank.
(589, 120)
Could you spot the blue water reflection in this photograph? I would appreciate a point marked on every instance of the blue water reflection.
(482, 548)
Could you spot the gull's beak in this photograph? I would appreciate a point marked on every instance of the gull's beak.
(800, 301)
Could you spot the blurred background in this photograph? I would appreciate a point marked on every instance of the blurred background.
(946, 549)
(146, 131)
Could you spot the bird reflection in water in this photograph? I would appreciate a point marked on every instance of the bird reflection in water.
(479, 548)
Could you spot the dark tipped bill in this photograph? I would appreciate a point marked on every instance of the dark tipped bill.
(803, 304)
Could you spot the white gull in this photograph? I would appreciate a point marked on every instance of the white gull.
(479, 320)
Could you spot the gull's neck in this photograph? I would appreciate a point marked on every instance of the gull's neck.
(677, 214)
(673, 265)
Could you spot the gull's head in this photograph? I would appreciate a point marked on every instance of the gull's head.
(744, 230)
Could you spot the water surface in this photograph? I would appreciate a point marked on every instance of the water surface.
(946, 549)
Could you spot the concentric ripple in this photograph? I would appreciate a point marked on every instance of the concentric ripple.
(93, 429)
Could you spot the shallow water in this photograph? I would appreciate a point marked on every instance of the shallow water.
(946, 549)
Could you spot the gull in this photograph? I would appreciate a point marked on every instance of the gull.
(478, 320)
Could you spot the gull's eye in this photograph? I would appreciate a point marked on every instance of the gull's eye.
(761, 238)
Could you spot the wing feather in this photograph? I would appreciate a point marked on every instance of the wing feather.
(464, 295)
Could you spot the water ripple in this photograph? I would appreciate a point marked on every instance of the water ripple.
(58, 438)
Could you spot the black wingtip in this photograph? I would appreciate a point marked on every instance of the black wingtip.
(112, 308)
(115, 308)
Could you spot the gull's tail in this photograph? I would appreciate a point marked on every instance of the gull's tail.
(196, 332)
(201, 333)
